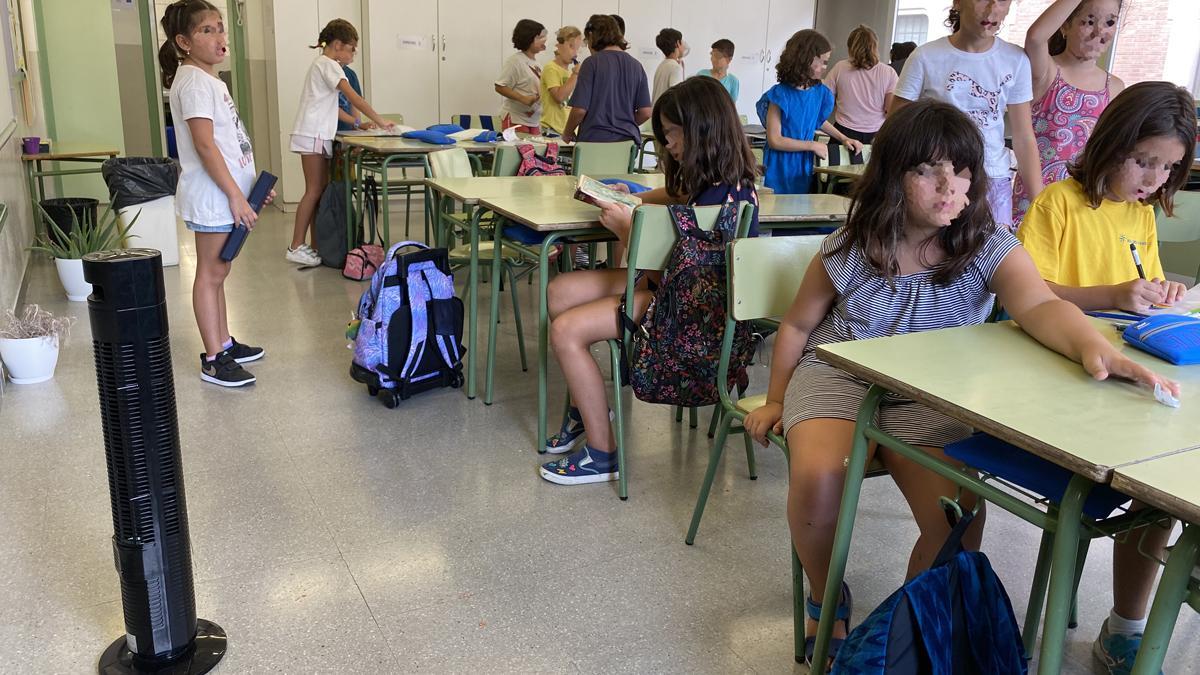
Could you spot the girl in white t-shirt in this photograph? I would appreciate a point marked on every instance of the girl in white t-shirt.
(217, 172)
(316, 125)
(985, 77)
(520, 79)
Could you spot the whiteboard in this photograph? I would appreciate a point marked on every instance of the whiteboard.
(13, 66)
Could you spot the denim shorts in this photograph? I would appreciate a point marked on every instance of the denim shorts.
(208, 229)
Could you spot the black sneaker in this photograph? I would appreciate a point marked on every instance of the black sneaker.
(244, 353)
(224, 371)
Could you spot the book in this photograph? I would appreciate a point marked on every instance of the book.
(257, 197)
(592, 191)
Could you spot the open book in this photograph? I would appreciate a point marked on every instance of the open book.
(593, 191)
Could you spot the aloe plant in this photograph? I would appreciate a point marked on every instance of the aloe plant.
(105, 234)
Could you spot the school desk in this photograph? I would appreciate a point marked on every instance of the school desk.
(789, 212)
(1169, 484)
(1000, 381)
(75, 153)
(468, 192)
(846, 171)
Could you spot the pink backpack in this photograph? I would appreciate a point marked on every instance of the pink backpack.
(533, 164)
(364, 259)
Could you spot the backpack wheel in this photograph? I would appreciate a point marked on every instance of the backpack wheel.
(372, 390)
(389, 399)
(456, 380)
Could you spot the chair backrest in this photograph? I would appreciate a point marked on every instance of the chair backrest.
(1184, 226)
(765, 273)
(450, 163)
(604, 158)
(652, 236)
(488, 122)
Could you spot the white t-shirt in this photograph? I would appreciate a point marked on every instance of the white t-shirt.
(523, 75)
(668, 74)
(196, 94)
(317, 116)
(981, 85)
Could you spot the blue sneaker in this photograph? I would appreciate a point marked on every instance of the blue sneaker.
(571, 435)
(585, 466)
(1116, 651)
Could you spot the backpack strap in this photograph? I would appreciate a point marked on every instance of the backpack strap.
(552, 153)
(953, 545)
(438, 291)
(526, 151)
(419, 295)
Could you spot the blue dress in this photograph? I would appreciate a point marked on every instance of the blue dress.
(802, 111)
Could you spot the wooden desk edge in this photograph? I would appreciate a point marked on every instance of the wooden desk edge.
(1164, 501)
(578, 225)
(1097, 474)
(63, 156)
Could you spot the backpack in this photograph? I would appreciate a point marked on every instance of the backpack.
(410, 336)
(953, 619)
(329, 226)
(362, 261)
(674, 355)
(533, 164)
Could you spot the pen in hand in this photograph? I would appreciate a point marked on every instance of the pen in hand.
(1137, 260)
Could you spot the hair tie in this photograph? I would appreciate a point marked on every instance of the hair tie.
(324, 44)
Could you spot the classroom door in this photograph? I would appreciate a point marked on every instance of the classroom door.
(469, 40)
(402, 50)
(785, 17)
(706, 21)
(643, 20)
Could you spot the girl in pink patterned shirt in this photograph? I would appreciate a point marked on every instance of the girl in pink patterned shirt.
(1069, 89)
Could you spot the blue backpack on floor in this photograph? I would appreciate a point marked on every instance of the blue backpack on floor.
(409, 337)
(953, 619)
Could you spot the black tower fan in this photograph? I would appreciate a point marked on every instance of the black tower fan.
(128, 312)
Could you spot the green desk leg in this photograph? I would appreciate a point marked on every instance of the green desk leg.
(1172, 590)
(35, 198)
(473, 310)
(346, 176)
(494, 314)
(856, 470)
(1062, 574)
(543, 335)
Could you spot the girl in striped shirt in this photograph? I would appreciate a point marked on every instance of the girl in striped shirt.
(919, 251)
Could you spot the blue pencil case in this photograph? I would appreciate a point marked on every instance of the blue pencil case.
(1171, 337)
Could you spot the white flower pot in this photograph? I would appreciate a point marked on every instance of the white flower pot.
(29, 360)
(70, 273)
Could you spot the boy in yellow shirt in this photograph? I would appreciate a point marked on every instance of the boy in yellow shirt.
(1078, 232)
(558, 79)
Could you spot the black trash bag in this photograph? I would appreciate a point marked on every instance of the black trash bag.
(137, 180)
(66, 212)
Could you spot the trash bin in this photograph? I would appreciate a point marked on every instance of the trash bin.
(66, 211)
(144, 187)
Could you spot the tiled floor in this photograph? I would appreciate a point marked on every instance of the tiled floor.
(332, 535)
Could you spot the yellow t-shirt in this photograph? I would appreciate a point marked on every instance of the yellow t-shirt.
(554, 114)
(1073, 244)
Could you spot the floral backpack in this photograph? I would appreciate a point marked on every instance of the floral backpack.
(533, 164)
(674, 355)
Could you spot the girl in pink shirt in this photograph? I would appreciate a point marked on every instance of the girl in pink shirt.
(862, 87)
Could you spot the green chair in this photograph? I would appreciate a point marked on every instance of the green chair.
(1184, 226)
(507, 160)
(454, 163)
(604, 158)
(826, 183)
(651, 240)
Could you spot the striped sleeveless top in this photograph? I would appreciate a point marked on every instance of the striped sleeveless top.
(867, 305)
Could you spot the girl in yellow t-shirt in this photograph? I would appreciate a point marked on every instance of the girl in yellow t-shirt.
(558, 79)
(1079, 230)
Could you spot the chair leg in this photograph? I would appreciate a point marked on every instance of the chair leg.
(750, 460)
(512, 286)
(1037, 594)
(714, 459)
(678, 414)
(1073, 617)
(714, 420)
(692, 417)
(799, 628)
(622, 466)
(408, 212)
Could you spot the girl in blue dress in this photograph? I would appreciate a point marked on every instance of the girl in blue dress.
(793, 110)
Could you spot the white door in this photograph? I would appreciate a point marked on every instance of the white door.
(549, 14)
(785, 18)
(643, 20)
(703, 22)
(402, 53)
(294, 24)
(470, 40)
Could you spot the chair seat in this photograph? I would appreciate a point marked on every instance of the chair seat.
(463, 252)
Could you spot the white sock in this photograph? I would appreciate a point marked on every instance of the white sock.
(1119, 624)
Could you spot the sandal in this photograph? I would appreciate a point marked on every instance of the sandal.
(814, 612)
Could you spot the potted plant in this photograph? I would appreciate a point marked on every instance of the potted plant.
(29, 344)
(68, 249)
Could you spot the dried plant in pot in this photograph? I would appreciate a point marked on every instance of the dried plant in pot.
(29, 343)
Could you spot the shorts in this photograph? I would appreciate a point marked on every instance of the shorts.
(819, 390)
(307, 145)
(521, 128)
(208, 229)
(1000, 200)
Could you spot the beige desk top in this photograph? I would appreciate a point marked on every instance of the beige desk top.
(471, 190)
(842, 170)
(1169, 483)
(72, 151)
(999, 380)
(773, 208)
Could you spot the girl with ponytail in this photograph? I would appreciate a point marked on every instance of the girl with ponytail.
(217, 172)
(1070, 89)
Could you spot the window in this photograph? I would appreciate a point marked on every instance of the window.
(912, 28)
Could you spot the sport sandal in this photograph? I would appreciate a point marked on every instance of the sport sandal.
(814, 612)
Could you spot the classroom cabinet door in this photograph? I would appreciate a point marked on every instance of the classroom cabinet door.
(402, 53)
(469, 40)
(549, 14)
(703, 22)
(784, 19)
(643, 20)
(576, 13)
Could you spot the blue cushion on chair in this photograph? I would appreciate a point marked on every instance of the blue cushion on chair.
(487, 137)
(445, 128)
(634, 188)
(1007, 461)
(522, 233)
(435, 137)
